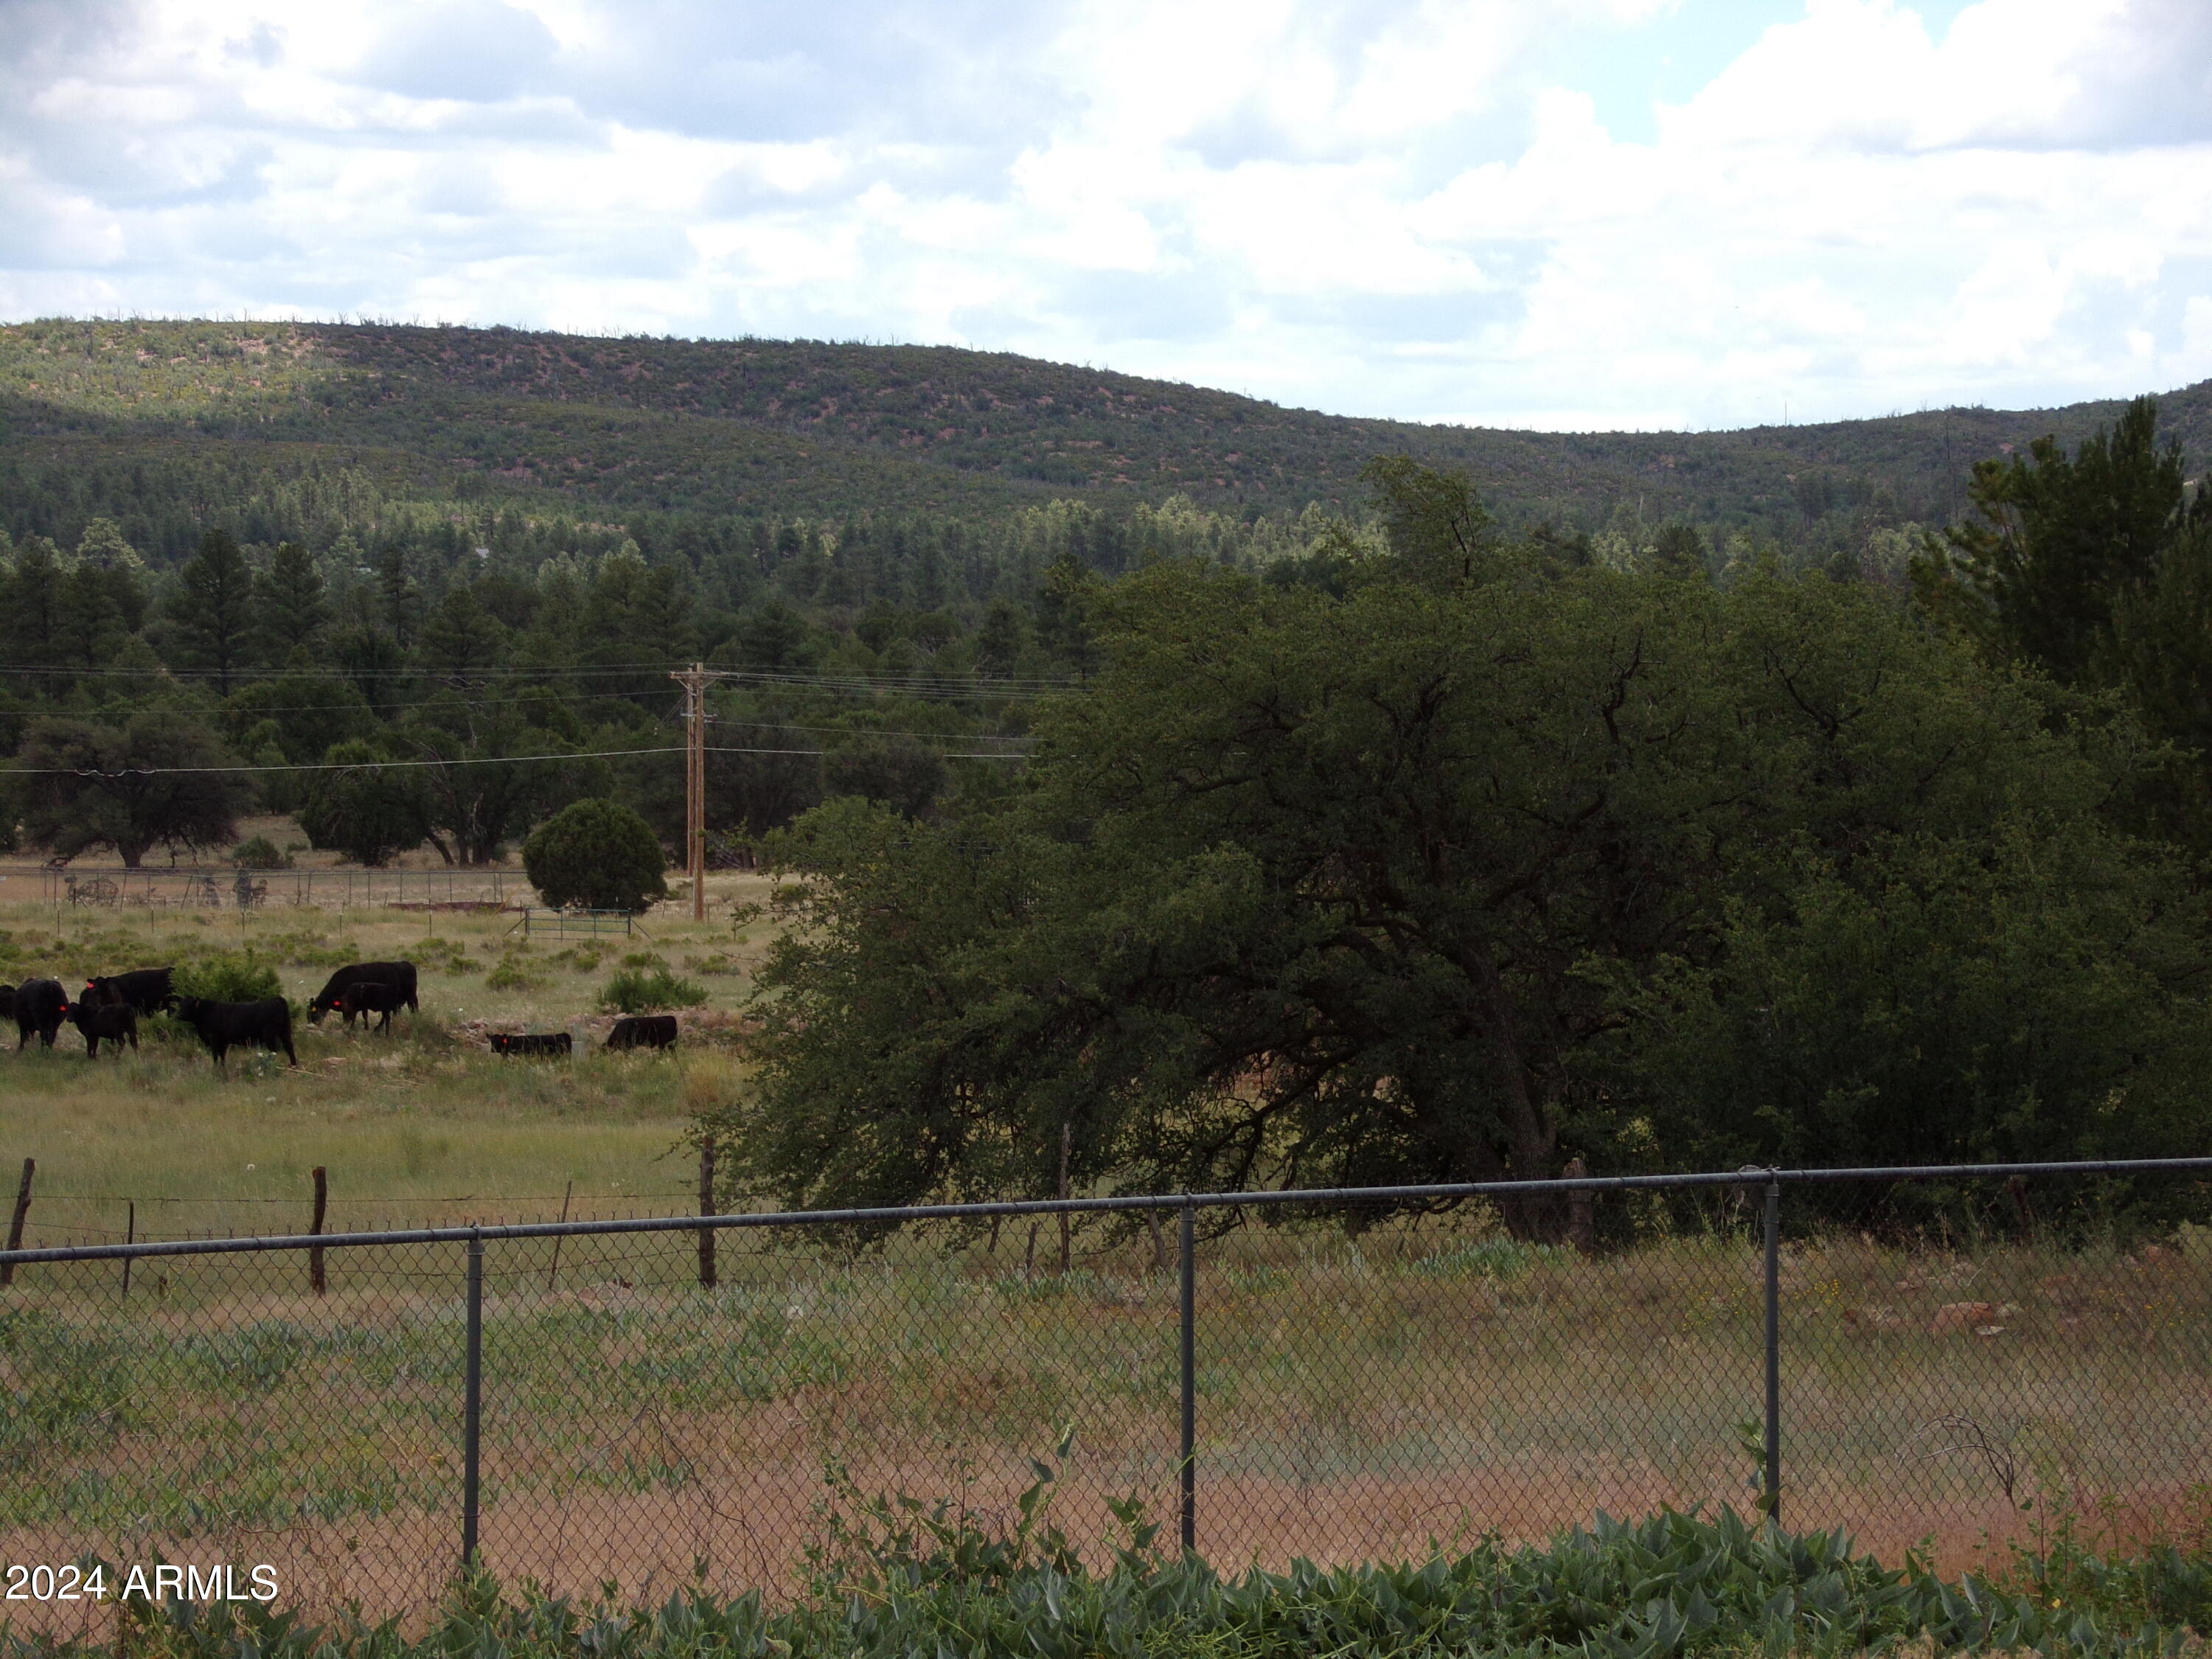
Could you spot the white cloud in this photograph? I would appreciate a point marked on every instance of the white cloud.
(1404, 206)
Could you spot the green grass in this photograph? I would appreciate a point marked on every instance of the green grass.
(423, 1124)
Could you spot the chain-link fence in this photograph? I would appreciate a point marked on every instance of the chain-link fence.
(1947, 1355)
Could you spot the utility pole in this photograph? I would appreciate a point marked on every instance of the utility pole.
(695, 680)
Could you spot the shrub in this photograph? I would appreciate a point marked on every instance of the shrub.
(260, 852)
(595, 855)
(511, 975)
(227, 977)
(640, 991)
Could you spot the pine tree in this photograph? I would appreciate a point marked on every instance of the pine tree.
(290, 606)
(212, 610)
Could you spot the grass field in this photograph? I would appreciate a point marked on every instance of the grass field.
(1357, 1397)
(424, 1124)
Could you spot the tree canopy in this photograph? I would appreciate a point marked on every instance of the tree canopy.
(1472, 869)
(596, 854)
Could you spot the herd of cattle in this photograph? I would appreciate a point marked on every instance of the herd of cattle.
(109, 1008)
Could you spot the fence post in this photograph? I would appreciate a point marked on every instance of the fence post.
(472, 1406)
(315, 1251)
(15, 1221)
(1772, 1501)
(1188, 1463)
(706, 1207)
(130, 1237)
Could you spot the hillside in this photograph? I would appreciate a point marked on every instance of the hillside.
(93, 415)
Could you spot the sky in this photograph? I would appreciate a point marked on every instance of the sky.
(1567, 214)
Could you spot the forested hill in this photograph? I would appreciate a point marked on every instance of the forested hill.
(160, 422)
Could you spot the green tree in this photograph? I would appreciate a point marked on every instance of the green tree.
(88, 623)
(30, 619)
(155, 781)
(1680, 550)
(290, 605)
(597, 855)
(2054, 542)
(488, 780)
(371, 812)
(1379, 889)
(462, 640)
(211, 611)
(1439, 532)
(1066, 600)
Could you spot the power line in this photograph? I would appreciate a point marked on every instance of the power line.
(921, 683)
(382, 765)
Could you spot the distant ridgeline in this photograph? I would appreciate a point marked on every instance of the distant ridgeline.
(745, 455)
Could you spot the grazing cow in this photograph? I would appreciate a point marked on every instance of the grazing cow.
(118, 1022)
(146, 990)
(41, 1004)
(365, 997)
(554, 1043)
(266, 1024)
(642, 1031)
(399, 975)
(7, 1002)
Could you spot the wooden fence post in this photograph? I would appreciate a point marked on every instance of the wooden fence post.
(315, 1252)
(554, 1272)
(15, 1221)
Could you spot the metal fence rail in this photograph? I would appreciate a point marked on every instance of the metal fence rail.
(612, 1400)
(229, 887)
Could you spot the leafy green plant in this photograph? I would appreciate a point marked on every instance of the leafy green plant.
(259, 853)
(639, 991)
(894, 1576)
(511, 975)
(227, 977)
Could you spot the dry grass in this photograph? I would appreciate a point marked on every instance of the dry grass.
(424, 1125)
(1354, 1403)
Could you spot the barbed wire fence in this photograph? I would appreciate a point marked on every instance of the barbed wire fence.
(1944, 1358)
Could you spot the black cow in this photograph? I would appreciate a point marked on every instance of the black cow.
(554, 1043)
(41, 1004)
(266, 1024)
(365, 997)
(399, 975)
(118, 1022)
(146, 990)
(642, 1031)
(7, 1002)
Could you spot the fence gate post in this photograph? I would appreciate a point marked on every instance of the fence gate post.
(1772, 1497)
(472, 1406)
(1188, 1464)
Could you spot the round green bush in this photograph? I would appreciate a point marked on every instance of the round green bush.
(595, 855)
(644, 991)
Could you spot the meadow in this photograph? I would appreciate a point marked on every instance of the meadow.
(1360, 1397)
(422, 1125)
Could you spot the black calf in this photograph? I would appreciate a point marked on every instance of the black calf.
(365, 997)
(119, 1024)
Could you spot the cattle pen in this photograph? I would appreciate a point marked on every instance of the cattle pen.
(1940, 1357)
